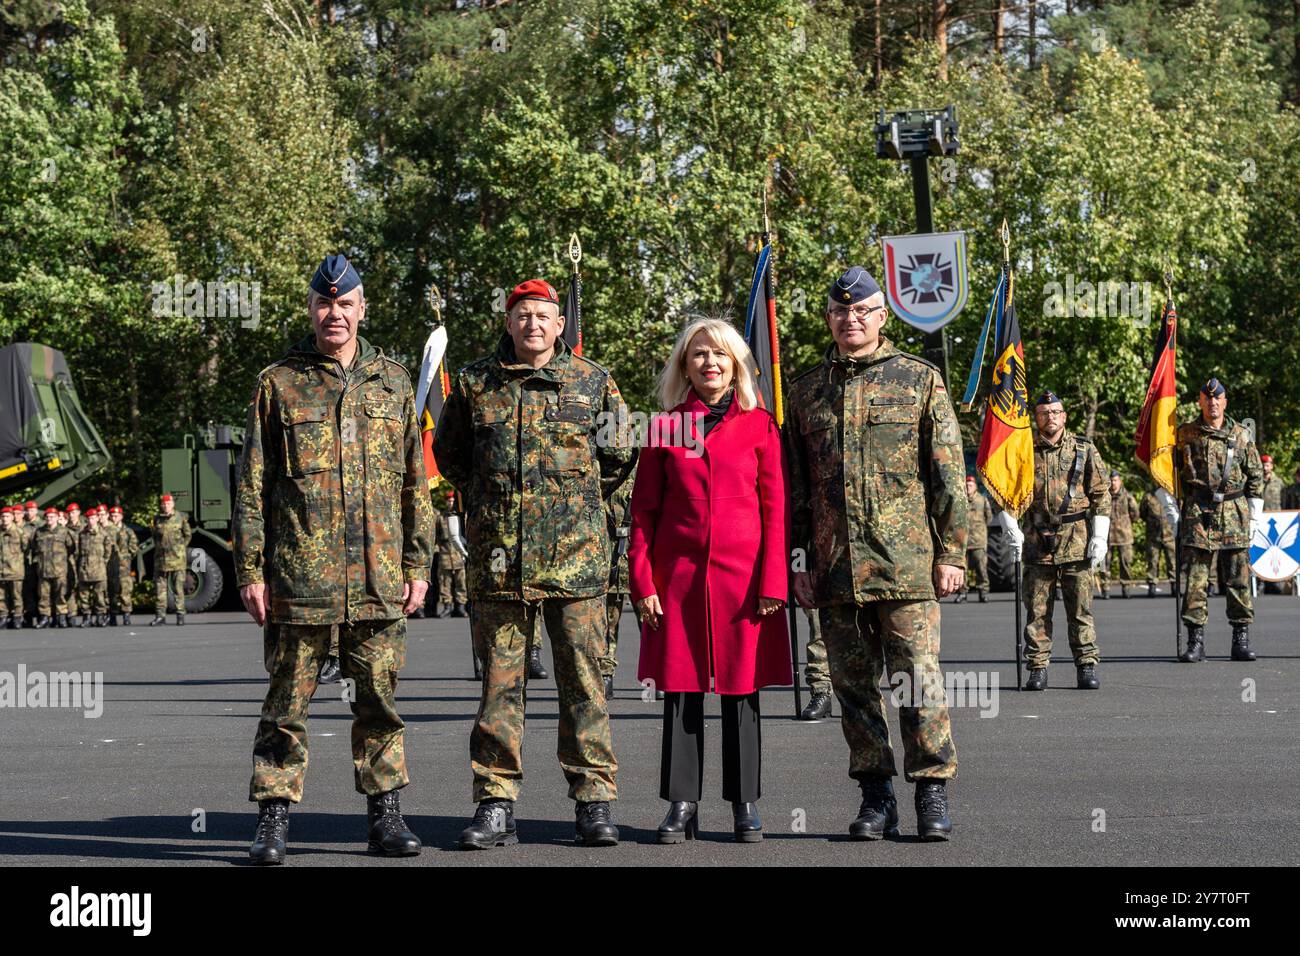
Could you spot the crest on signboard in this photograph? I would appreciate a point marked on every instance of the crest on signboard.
(925, 277)
(1275, 549)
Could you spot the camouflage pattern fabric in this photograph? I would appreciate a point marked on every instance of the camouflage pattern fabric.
(125, 546)
(449, 556)
(169, 592)
(535, 454)
(817, 672)
(1124, 512)
(608, 660)
(1272, 492)
(877, 479)
(332, 508)
(977, 570)
(978, 515)
(904, 636)
(13, 558)
(1234, 575)
(12, 600)
(372, 653)
(171, 539)
(1123, 553)
(1048, 539)
(94, 548)
(1040, 585)
(451, 584)
(502, 631)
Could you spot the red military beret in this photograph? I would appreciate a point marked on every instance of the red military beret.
(73, 507)
(116, 509)
(51, 511)
(166, 498)
(532, 289)
(1265, 457)
(31, 504)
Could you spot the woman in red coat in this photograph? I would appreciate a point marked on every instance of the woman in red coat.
(708, 569)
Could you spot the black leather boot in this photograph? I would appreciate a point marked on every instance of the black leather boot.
(932, 821)
(63, 620)
(112, 619)
(682, 822)
(269, 848)
(180, 619)
(592, 826)
(158, 619)
(389, 834)
(459, 611)
(1087, 677)
(609, 687)
(819, 707)
(17, 622)
(126, 620)
(418, 614)
(1241, 643)
(41, 621)
(493, 825)
(1123, 589)
(878, 814)
(329, 671)
(746, 825)
(535, 667)
(984, 597)
(80, 620)
(1195, 650)
(442, 611)
(1037, 679)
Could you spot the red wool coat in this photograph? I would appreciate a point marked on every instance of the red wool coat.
(709, 537)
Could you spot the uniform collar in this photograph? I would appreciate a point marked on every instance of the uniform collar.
(552, 371)
(833, 360)
(306, 349)
(1043, 443)
(1228, 426)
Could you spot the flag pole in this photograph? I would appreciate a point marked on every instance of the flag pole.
(1178, 549)
(1020, 685)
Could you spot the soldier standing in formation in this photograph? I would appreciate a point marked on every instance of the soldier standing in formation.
(876, 470)
(31, 525)
(816, 672)
(72, 520)
(619, 523)
(171, 538)
(1069, 489)
(93, 550)
(51, 550)
(13, 567)
(978, 515)
(450, 545)
(125, 546)
(1160, 540)
(1272, 493)
(333, 533)
(1123, 512)
(1222, 484)
(534, 438)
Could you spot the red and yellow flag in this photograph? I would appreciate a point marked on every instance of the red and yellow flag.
(1157, 429)
(1006, 451)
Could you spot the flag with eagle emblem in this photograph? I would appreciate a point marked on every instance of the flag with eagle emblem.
(1157, 427)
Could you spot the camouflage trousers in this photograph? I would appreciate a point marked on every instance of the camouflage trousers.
(372, 654)
(1040, 583)
(70, 588)
(1234, 573)
(816, 672)
(1154, 551)
(502, 631)
(120, 584)
(977, 570)
(169, 589)
(11, 598)
(52, 596)
(614, 613)
(1123, 555)
(451, 585)
(861, 640)
(93, 596)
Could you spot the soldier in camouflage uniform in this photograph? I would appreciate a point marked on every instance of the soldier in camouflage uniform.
(171, 539)
(879, 511)
(13, 567)
(1273, 487)
(1222, 484)
(452, 594)
(1123, 512)
(31, 525)
(1160, 540)
(816, 671)
(72, 520)
(619, 523)
(1070, 489)
(534, 438)
(978, 515)
(93, 550)
(125, 546)
(51, 548)
(333, 534)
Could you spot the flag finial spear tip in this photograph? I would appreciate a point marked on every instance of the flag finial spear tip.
(1006, 241)
(575, 250)
(766, 228)
(435, 303)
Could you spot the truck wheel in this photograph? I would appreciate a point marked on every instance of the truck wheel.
(203, 582)
(1002, 569)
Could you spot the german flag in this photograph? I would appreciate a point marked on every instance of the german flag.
(1157, 426)
(761, 335)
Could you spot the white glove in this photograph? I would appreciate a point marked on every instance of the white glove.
(453, 528)
(1011, 529)
(1170, 506)
(1256, 516)
(1100, 538)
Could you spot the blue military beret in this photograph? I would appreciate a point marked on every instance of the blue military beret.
(1048, 397)
(1212, 388)
(335, 277)
(853, 286)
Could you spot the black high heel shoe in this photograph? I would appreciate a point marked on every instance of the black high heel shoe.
(682, 822)
(749, 828)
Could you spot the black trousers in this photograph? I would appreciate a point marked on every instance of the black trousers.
(681, 768)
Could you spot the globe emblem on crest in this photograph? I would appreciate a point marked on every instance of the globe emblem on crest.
(925, 277)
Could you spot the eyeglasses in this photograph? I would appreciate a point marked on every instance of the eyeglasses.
(859, 313)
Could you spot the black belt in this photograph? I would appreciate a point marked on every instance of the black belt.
(1054, 520)
(1209, 499)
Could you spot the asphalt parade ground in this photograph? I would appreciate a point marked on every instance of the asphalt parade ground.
(1167, 764)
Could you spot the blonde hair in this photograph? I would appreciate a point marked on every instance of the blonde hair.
(675, 384)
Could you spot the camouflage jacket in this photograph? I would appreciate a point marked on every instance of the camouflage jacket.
(978, 515)
(13, 558)
(876, 476)
(1202, 455)
(449, 556)
(1071, 486)
(535, 453)
(1272, 494)
(94, 547)
(1153, 515)
(52, 549)
(171, 539)
(123, 542)
(1291, 497)
(1123, 512)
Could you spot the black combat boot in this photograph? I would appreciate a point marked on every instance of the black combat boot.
(389, 834)
(682, 822)
(609, 687)
(63, 620)
(112, 619)
(442, 611)
(493, 825)
(1123, 588)
(41, 621)
(961, 598)
(1037, 679)
(592, 826)
(984, 597)
(329, 671)
(158, 619)
(535, 668)
(1241, 643)
(1105, 593)
(418, 614)
(746, 825)
(180, 619)
(1195, 650)
(932, 821)
(459, 610)
(269, 847)
(878, 814)
(819, 707)
(17, 622)
(1152, 590)
(78, 620)
(4, 621)
(126, 620)
(1087, 677)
